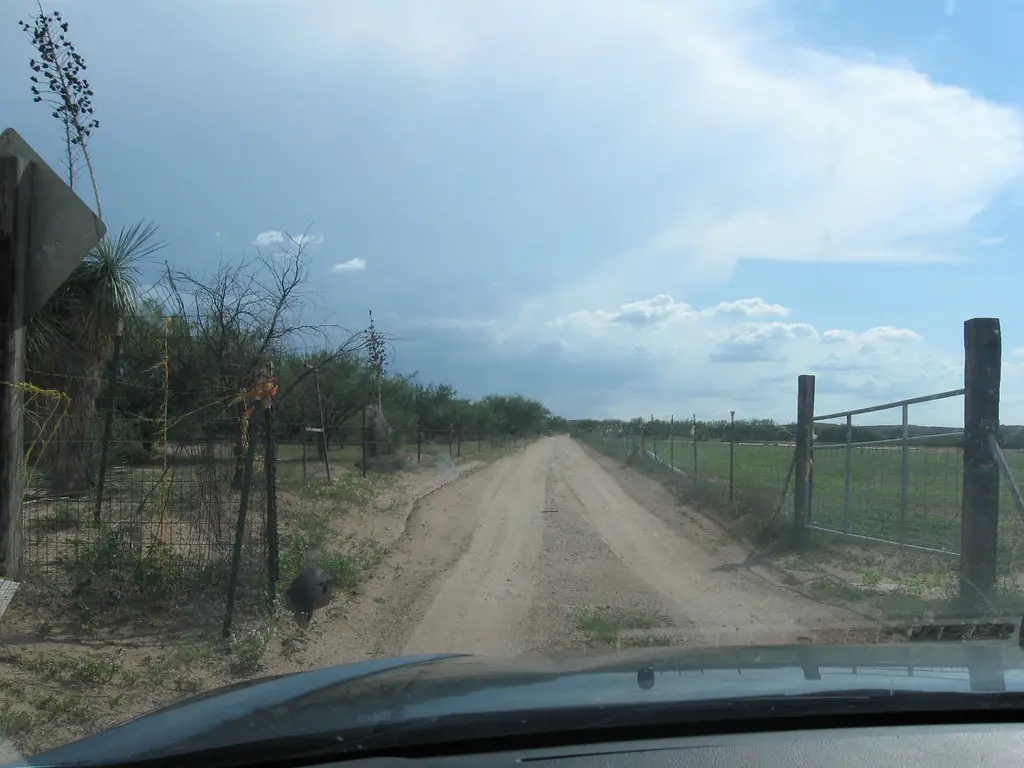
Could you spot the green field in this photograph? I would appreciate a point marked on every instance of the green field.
(933, 491)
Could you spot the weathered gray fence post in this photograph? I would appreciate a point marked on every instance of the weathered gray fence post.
(108, 419)
(364, 442)
(270, 478)
(732, 454)
(672, 448)
(979, 523)
(802, 459)
(694, 442)
(236, 551)
(15, 197)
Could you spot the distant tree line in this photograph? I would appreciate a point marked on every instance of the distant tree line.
(174, 367)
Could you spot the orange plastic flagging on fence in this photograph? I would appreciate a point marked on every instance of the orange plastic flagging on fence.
(263, 390)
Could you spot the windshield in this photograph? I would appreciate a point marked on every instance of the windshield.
(338, 332)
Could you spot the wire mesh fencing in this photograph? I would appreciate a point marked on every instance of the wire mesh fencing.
(148, 497)
(308, 453)
(909, 496)
(140, 508)
(719, 472)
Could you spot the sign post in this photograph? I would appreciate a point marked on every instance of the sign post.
(45, 232)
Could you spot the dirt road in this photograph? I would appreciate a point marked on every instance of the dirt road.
(555, 549)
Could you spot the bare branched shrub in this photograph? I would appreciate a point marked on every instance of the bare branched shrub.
(233, 322)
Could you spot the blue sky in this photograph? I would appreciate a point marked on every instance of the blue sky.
(621, 207)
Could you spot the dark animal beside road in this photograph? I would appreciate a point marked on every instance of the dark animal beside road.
(310, 590)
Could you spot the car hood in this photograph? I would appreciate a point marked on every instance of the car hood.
(408, 689)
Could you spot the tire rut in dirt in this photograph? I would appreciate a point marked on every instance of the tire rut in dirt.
(482, 603)
(729, 606)
(585, 596)
(377, 623)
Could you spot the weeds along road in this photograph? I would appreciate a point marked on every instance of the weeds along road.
(556, 549)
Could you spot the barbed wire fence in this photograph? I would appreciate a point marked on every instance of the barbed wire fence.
(864, 492)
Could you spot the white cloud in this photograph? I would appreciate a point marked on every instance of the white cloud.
(269, 238)
(753, 342)
(660, 355)
(802, 154)
(275, 238)
(696, 360)
(652, 311)
(352, 265)
(754, 307)
(888, 334)
(880, 334)
(662, 308)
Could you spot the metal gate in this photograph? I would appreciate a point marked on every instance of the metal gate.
(854, 520)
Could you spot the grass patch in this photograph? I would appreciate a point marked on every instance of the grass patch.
(72, 708)
(605, 625)
(893, 605)
(349, 489)
(67, 516)
(915, 598)
(90, 670)
(111, 578)
(248, 647)
(651, 640)
(309, 539)
(14, 722)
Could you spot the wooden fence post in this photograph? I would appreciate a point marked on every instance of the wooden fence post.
(15, 215)
(732, 454)
(236, 548)
(979, 522)
(270, 478)
(803, 459)
(671, 443)
(694, 441)
(364, 437)
(108, 419)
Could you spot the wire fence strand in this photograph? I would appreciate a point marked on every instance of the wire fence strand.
(860, 493)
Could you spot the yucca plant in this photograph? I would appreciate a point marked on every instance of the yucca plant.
(71, 341)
